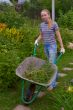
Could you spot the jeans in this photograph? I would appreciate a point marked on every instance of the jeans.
(51, 53)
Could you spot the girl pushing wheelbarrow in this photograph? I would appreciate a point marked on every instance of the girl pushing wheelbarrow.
(48, 29)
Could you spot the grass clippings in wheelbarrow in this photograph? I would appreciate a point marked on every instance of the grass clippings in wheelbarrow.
(41, 75)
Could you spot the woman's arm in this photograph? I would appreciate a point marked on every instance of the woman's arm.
(59, 38)
(60, 41)
(38, 39)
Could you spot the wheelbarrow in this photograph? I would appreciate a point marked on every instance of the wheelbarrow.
(30, 88)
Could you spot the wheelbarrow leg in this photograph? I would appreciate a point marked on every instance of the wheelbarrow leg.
(22, 95)
(30, 91)
(29, 98)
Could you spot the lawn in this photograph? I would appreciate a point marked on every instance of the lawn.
(54, 100)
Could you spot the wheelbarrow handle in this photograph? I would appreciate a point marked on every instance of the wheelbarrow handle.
(59, 57)
(34, 52)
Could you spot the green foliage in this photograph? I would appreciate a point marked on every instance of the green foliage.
(66, 5)
(66, 20)
(9, 16)
(7, 69)
(62, 99)
(15, 45)
(32, 9)
(8, 62)
(67, 36)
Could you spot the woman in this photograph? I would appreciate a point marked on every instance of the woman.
(48, 29)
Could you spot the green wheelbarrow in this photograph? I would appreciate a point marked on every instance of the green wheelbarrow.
(30, 88)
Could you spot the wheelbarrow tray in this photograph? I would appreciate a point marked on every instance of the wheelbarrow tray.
(22, 68)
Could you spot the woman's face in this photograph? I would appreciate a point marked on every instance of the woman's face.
(45, 16)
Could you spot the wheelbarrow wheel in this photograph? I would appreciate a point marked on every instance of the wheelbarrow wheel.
(30, 92)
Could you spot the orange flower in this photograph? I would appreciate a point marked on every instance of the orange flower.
(2, 26)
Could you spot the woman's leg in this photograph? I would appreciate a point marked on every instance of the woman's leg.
(52, 53)
(46, 50)
(52, 59)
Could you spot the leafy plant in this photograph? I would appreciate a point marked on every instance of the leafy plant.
(66, 20)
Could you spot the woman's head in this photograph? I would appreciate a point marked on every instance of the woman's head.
(45, 15)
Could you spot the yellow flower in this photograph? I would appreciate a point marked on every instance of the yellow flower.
(70, 89)
(13, 30)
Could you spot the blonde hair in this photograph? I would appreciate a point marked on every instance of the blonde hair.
(46, 10)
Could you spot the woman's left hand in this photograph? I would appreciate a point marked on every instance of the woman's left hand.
(62, 50)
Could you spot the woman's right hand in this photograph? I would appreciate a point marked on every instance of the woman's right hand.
(36, 42)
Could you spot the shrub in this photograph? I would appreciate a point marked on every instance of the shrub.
(9, 16)
(15, 45)
(66, 20)
(32, 9)
(67, 36)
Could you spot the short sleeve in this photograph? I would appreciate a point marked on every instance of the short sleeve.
(56, 27)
